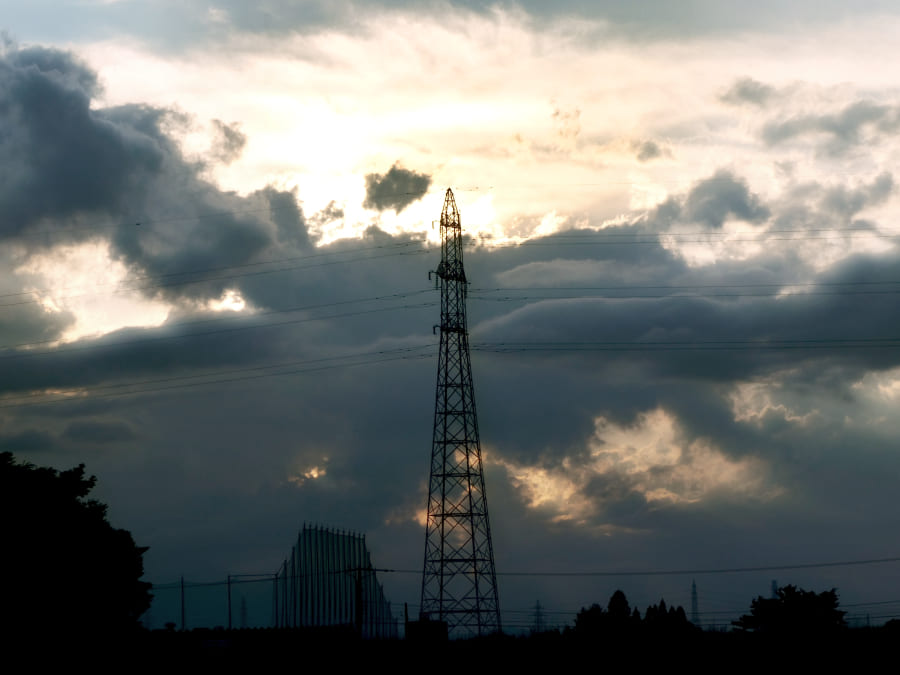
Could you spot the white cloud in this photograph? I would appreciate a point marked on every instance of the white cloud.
(540, 119)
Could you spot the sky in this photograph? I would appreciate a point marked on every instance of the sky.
(216, 231)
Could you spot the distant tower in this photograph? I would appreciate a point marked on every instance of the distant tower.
(459, 585)
(695, 609)
(538, 626)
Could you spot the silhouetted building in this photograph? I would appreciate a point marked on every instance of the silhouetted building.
(329, 580)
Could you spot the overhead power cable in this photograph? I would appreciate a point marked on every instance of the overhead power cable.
(217, 377)
(203, 279)
(204, 379)
(698, 345)
(678, 572)
(220, 319)
(677, 295)
(655, 240)
(784, 285)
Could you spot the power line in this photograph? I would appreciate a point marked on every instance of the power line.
(676, 295)
(230, 329)
(273, 261)
(185, 282)
(630, 573)
(682, 287)
(698, 345)
(186, 381)
(558, 239)
(203, 379)
(639, 239)
(678, 572)
(484, 346)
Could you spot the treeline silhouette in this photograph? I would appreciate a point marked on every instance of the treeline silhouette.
(618, 620)
(69, 576)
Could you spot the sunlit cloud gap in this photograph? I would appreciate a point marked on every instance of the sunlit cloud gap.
(585, 242)
(126, 289)
(232, 329)
(256, 315)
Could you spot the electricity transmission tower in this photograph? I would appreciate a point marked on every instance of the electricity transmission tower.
(695, 606)
(459, 585)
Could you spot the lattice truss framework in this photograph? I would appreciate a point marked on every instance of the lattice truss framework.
(459, 583)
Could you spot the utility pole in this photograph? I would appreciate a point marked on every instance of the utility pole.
(459, 584)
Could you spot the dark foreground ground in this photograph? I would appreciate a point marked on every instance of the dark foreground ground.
(335, 649)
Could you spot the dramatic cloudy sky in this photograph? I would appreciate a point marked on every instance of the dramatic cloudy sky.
(217, 224)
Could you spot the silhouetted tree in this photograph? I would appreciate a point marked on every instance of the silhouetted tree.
(589, 621)
(660, 618)
(64, 567)
(617, 619)
(618, 608)
(794, 611)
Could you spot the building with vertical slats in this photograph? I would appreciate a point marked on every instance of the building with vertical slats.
(329, 580)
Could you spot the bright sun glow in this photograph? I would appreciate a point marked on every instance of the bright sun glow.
(84, 281)
(231, 301)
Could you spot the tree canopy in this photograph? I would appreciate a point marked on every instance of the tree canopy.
(794, 610)
(65, 569)
(618, 619)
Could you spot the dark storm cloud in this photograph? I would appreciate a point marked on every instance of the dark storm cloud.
(22, 319)
(667, 334)
(847, 202)
(329, 214)
(228, 143)
(73, 172)
(98, 432)
(647, 150)
(59, 158)
(714, 200)
(748, 90)
(857, 124)
(183, 25)
(396, 189)
(130, 353)
(816, 206)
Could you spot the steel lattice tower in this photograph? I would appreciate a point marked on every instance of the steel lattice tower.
(459, 585)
